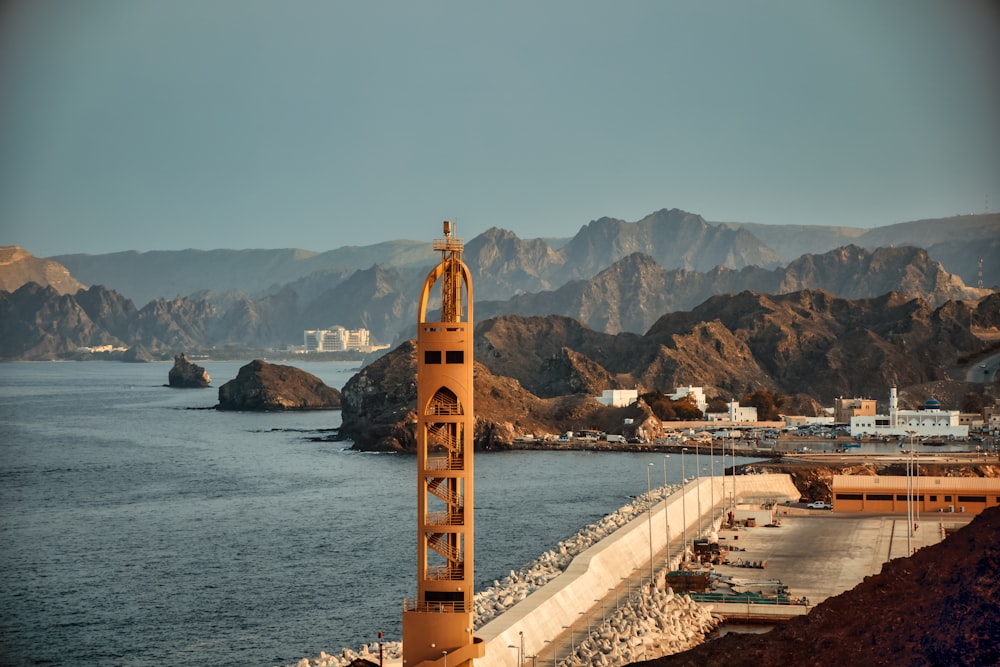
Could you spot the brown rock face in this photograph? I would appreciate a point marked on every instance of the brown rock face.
(263, 387)
(186, 375)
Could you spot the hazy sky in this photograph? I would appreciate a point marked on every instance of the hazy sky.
(156, 125)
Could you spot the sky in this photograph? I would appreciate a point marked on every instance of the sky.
(316, 124)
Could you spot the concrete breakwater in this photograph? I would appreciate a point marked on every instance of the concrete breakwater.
(540, 606)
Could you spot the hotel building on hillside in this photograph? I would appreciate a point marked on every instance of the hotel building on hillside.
(337, 339)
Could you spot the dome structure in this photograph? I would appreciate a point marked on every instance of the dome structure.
(932, 404)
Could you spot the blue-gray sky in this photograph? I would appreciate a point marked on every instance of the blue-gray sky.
(155, 125)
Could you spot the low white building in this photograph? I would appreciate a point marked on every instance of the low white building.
(931, 421)
(618, 398)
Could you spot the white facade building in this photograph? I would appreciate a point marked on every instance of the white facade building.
(696, 393)
(930, 421)
(735, 414)
(336, 339)
(618, 398)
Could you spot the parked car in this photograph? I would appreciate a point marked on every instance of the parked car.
(819, 505)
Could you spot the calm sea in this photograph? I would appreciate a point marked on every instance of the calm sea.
(138, 527)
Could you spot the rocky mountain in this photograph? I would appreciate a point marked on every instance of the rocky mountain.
(144, 276)
(957, 242)
(613, 275)
(632, 293)
(19, 267)
(805, 343)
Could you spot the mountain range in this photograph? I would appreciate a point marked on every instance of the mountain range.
(614, 276)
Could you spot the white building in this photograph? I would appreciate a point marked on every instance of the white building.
(930, 421)
(336, 339)
(735, 414)
(696, 393)
(618, 398)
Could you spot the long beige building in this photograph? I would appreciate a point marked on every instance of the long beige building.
(863, 493)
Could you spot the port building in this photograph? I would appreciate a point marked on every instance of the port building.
(885, 494)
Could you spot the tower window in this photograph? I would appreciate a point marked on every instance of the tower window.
(454, 357)
(432, 356)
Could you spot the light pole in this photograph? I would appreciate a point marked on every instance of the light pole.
(649, 514)
(711, 462)
(697, 465)
(684, 506)
(520, 653)
(445, 654)
(666, 513)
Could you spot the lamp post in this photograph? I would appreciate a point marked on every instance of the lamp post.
(684, 508)
(666, 512)
(711, 460)
(445, 654)
(697, 465)
(649, 514)
(520, 653)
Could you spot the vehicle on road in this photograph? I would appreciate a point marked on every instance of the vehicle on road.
(819, 505)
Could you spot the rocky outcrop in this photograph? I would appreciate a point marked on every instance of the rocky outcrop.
(186, 375)
(380, 402)
(262, 387)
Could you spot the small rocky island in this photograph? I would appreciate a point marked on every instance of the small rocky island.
(263, 387)
(186, 375)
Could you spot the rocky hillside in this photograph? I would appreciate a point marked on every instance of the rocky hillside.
(541, 372)
(19, 267)
(937, 607)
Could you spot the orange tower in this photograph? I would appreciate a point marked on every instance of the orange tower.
(437, 625)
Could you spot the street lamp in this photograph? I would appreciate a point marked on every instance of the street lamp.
(684, 508)
(666, 513)
(711, 461)
(697, 465)
(649, 514)
(445, 654)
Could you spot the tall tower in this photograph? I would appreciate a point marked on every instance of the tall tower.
(437, 625)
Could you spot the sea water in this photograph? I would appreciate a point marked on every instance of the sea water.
(138, 526)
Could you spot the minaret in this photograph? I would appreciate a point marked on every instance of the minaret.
(438, 624)
(893, 405)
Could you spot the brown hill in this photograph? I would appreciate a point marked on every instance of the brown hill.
(19, 267)
(940, 606)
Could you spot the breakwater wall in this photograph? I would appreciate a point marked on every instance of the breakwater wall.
(545, 600)
(545, 614)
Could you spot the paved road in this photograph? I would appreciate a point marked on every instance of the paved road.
(984, 370)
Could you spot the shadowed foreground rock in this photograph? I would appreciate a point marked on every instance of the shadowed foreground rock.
(186, 375)
(941, 606)
(264, 387)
